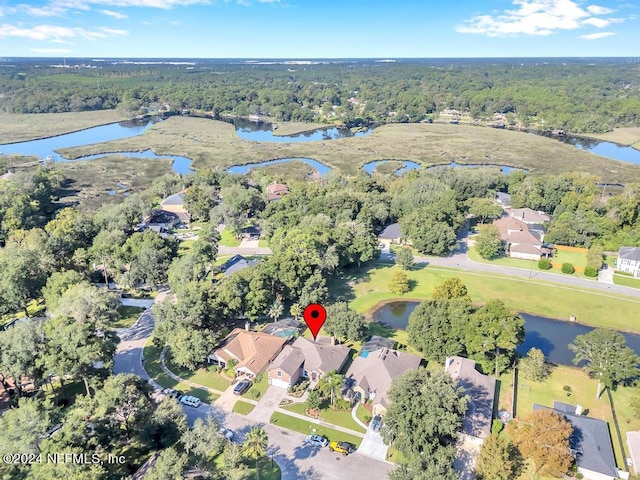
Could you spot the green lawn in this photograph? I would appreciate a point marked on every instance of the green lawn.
(577, 259)
(268, 470)
(551, 300)
(341, 418)
(583, 390)
(306, 428)
(363, 414)
(128, 316)
(263, 242)
(395, 456)
(243, 408)
(206, 376)
(184, 246)
(626, 281)
(228, 239)
(257, 389)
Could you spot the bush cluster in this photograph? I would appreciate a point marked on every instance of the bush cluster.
(590, 272)
(567, 268)
(544, 264)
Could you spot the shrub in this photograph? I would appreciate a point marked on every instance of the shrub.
(590, 272)
(497, 426)
(544, 264)
(567, 268)
(342, 404)
(259, 377)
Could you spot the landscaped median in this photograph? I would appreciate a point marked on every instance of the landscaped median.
(308, 428)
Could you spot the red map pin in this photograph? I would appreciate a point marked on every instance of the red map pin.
(314, 315)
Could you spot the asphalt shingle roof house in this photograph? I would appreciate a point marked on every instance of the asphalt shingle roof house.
(371, 376)
(175, 204)
(391, 234)
(522, 240)
(481, 390)
(306, 359)
(275, 191)
(529, 216)
(590, 443)
(629, 260)
(235, 264)
(252, 351)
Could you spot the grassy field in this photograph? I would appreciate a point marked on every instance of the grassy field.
(128, 316)
(556, 301)
(216, 144)
(626, 281)
(583, 390)
(306, 428)
(341, 418)
(623, 136)
(228, 239)
(257, 389)
(295, 170)
(243, 408)
(90, 181)
(203, 376)
(18, 128)
(293, 128)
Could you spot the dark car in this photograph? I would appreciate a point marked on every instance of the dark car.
(241, 387)
(376, 423)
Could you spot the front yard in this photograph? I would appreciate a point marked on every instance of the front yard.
(257, 389)
(243, 408)
(341, 418)
(128, 316)
(206, 376)
(626, 280)
(308, 428)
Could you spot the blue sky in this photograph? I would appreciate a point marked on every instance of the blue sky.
(319, 28)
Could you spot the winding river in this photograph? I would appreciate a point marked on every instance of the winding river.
(549, 335)
(46, 148)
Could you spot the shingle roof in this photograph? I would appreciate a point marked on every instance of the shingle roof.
(590, 440)
(528, 215)
(175, 199)
(237, 263)
(629, 253)
(252, 350)
(391, 232)
(504, 198)
(525, 248)
(481, 390)
(288, 360)
(321, 357)
(378, 370)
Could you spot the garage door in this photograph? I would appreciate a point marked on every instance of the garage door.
(278, 383)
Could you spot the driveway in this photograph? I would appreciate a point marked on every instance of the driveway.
(136, 302)
(267, 404)
(373, 446)
(227, 400)
(296, 459)
(467, 449)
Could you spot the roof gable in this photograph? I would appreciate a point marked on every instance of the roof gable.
(629, 253)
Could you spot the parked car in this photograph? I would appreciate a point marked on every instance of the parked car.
(376, 423)
(190, 401)
(317, 440)
(242, 387)
(170, 392)
(344, 448)
(226, 433)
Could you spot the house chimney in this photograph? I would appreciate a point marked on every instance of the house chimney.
(246, 325)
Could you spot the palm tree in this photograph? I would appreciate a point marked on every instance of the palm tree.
(255, 446)
(330, 384)
(296, 311)
(276, 310)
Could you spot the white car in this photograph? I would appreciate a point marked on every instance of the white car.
(226, 433)
(190, 401)
(317, 440)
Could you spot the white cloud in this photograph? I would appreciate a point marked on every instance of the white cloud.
(537, 17)
(111, 13)
(595, 36)
(596, 10)
(50, 50)
(56, 33)
(163, 4)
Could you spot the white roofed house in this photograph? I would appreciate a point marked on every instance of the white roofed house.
(629, 260)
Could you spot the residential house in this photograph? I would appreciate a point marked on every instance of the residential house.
(252, 233)
(175, 204)
(529, 216)
(306, 359)
(522, 240)
(253, 351)
(275, 191)
(590, 442)
(235, 264)
(481, 390)
(370, 377)
(629, 260)
(390, 235)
